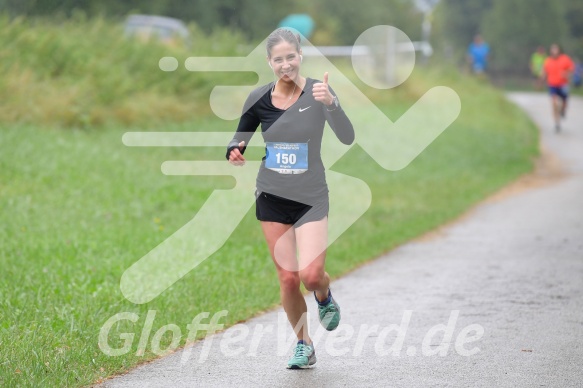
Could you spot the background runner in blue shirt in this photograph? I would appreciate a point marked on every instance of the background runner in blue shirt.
(478, 54)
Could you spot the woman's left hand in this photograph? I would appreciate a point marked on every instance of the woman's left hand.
(322, 93)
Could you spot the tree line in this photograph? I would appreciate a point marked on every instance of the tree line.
(336, 21)
(513, 29)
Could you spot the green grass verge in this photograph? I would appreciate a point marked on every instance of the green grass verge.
(83, 73)
(78, 208)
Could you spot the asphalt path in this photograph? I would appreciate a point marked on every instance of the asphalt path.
(494, 299)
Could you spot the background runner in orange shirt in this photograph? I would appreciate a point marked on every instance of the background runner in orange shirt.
(557, 70)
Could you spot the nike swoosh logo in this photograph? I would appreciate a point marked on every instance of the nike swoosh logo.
(301, 110)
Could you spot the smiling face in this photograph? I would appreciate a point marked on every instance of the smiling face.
(285, 61)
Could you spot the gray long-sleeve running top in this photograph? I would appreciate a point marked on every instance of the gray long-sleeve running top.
(298, 127)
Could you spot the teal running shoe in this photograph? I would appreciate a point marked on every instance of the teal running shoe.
(304, 356)
(329, 312)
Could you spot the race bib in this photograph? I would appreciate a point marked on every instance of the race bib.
(287, 158)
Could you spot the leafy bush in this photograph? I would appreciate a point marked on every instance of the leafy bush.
(82, 73)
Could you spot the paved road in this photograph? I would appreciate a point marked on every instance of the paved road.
(505, 283)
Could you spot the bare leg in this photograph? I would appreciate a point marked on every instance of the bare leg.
(556, 111)
(556, 108)
(564, 107)
(312, 240)
(289, 281)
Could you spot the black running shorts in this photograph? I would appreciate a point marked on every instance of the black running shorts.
(269, 207)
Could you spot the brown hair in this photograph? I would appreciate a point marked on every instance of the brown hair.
(282, 35)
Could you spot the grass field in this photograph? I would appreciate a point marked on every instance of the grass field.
(78, 207)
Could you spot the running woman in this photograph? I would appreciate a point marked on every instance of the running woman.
(292, 194)
(557, 70)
